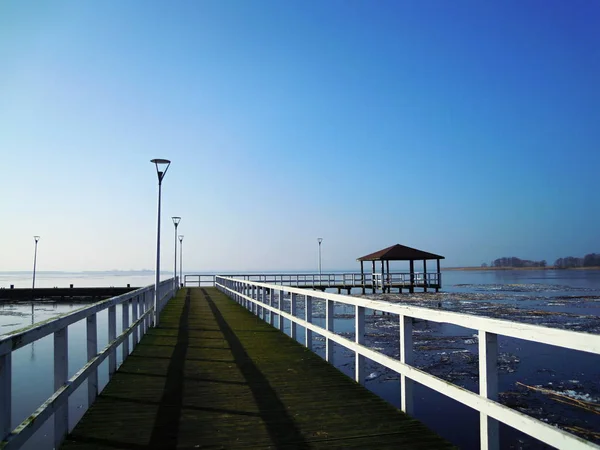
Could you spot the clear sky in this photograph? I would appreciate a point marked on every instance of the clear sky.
(465, 128)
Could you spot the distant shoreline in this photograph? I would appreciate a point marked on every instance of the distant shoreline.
(520, 268)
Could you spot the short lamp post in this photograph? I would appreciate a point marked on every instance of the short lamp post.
(162, 165)
(319, 240)
(181, 260)
(36, 239)
(176, 221)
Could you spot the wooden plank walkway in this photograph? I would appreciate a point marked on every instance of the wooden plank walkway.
(213, 375)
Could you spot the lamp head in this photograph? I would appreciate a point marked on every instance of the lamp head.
(181, 238)
(176, 220)
(36, 238)
(320, 240)
(162, 165)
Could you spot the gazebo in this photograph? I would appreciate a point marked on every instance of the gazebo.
(402, 253)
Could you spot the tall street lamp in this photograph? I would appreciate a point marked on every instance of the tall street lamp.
(36, 239)
(181, 259)
(176, 221)
(162, 165)
(319, 240)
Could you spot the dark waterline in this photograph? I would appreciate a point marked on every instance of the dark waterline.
(538, 364)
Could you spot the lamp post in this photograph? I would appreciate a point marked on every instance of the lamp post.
(162, 165)
(176, 221)
(319, 240)
(181, 260)
(36, 239)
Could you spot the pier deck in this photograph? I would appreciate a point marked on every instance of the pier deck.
(213, 375)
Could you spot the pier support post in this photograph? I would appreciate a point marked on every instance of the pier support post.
(92, 351)
(406, 357)
(411, 289)
(425, 275)
(488, 388)
(308, 316)
(61, 375)
(359, 360)
(439, 277)
(329, 322)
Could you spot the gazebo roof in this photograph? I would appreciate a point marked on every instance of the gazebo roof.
(399, 253)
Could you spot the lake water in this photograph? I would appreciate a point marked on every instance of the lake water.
(564, 299)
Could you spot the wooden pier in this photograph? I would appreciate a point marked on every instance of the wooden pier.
(62, 293)
(213, 375)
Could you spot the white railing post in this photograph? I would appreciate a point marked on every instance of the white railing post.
(92, 351)
(112, 335)
(134, 317)
(280, 304)
(488, 388)
(359, 338)
(329, 327)
(406, 357)
(5, 393)
(293, 326)
(308, 316)
(142, 311)
(272, 304)
(61, 375)
(263, 297)
(125, 321)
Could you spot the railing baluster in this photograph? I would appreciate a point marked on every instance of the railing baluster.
(281, 309)
(112, 334)
(134, 318)
(488, 388)
(308, 316)
(61, 375)
(359, 338)
(5, 393)
(407, 357)
(272, 304)
(92, 351)
(329, 323)
(125, 322)
(293, 326)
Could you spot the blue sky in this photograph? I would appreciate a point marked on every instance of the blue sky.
(465, 128)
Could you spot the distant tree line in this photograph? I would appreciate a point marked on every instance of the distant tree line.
(513, 261)
(589, 260)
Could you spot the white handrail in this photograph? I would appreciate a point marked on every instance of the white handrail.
(349, 279)
(141, 301)
(253, 295)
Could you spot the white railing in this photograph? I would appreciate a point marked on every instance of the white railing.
(345, 279)
(198, 280)
(142, 316)
(259, 297)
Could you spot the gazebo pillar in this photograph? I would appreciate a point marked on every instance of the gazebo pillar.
(412, 277)
(439, 277)
(374, 285)
(387, 263)
(382, 278)
(425, 275)
(362, 277)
